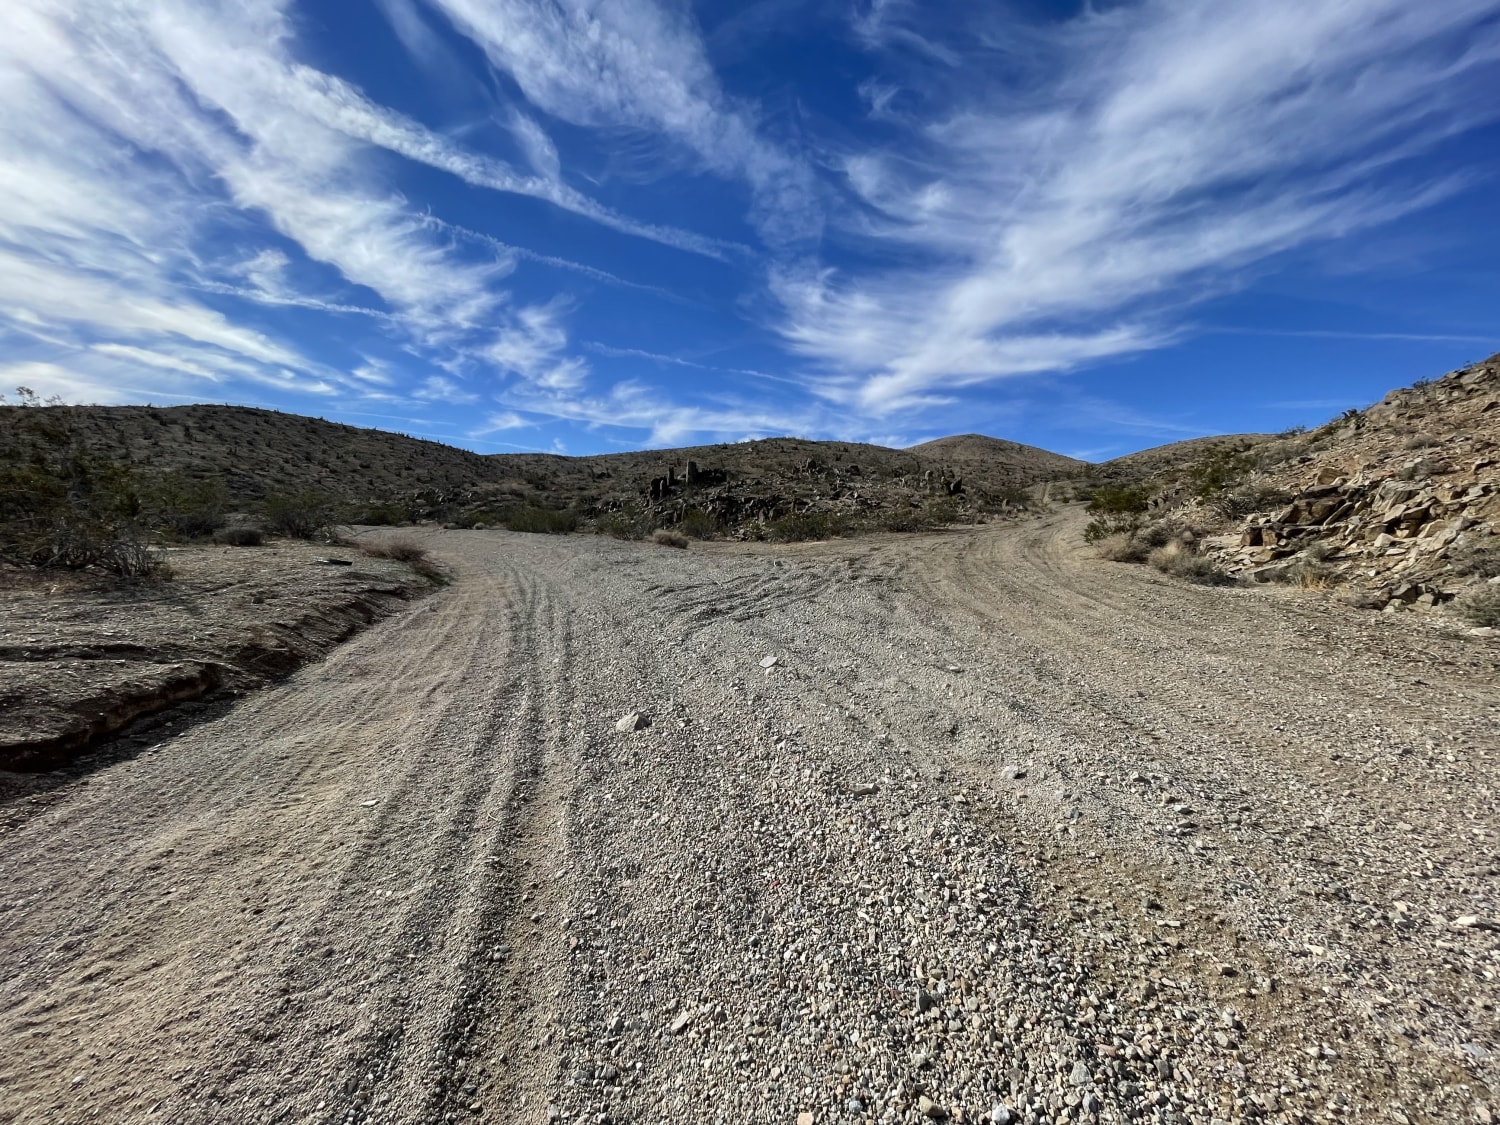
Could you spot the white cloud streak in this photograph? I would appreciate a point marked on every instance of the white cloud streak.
(640, 65)
(144, 147)
(1172, 145)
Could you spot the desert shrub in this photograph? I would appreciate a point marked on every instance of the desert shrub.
(543, 521)
(799, 526)
(1180, 561)
(64, 508)
(240, 536)
(380, 513)
(1217, 472)
(662, 537)
(430, 569)
(1010, 494)
(1118, 510)
(1122, 547)
(943, 512)
(185, 507)
(299, 515)
(130, 556)
(1469, 558)
(699, 525)
(902, 519)
(1481, 605)
(1237, 503)
(618, 525)
(1136, 541)
(1120, 500)
(1308, 573)
(1109, 527)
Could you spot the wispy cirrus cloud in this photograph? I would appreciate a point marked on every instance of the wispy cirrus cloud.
(642, 66)
(158, 158)
(1161, 148)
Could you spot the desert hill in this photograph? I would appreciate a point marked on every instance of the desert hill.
(256, 453)
(1176, 455)
(1394, 505)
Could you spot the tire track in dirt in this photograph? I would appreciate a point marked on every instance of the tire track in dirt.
(428, 876)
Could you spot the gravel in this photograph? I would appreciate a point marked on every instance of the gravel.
(1006, 834)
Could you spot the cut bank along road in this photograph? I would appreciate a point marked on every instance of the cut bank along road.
(1006, 832)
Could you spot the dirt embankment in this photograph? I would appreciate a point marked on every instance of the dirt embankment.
(969, 827)
(83, 657)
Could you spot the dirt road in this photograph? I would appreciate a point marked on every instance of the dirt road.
(1005, 833)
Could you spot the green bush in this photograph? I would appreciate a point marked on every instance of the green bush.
(698, 524)
(1247, 499)
(902, 519)
(1120, 500)
(299, 515)
(185, 507)
(800, 526)
(1109, 526)
(1217, 472)
(64, 508)
(618, 525)
(380, 513)
(543, 521)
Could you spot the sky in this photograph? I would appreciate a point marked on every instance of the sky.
(583, 226)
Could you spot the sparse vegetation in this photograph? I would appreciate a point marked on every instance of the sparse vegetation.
(1309, 572)
(1136, 544)
(1472, 559)
(299, 515)
(380, 513)
(799, 526)
(902, 519)
(1481, 605)
(619, 525)
(1181, 561)
(1237, 503)
(698, 524)
(1221, 470)
(407, 551)
(663, 537)
(402, 550)
(64, 508)
(1118, 510)
(541, 521)
(187, 507)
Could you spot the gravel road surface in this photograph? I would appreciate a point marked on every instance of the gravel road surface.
(1002, 833)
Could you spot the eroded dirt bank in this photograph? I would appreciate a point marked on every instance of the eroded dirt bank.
(1005, 833)
(83, 656)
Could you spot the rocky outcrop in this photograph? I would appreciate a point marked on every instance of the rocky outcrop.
(1397, 501)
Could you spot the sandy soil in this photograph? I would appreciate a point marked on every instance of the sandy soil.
(1005, 833)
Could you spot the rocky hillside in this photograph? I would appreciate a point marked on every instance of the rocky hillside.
(738, 487)
(1400, 501)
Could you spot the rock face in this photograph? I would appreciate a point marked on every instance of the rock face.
(1402, 501)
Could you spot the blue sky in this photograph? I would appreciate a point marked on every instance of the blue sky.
(589, 226)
